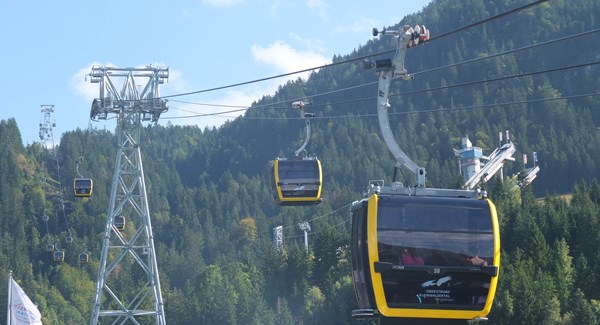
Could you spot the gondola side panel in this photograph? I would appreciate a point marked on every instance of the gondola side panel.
(496, 260)
(360, 258)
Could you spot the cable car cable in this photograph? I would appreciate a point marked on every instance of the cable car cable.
(271, 105)
(460, 29)
(486, 20)
(312, 233)
(333, 117)
(412, 92)
(320, 217)
(83, 186)
(528, 47)
(61, 194)
(470, 83)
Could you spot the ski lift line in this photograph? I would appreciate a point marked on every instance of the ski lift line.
(471, 83)
(206, 104)
(202, 114)
(528, 47)
(272, 105)
(320, 217)
(413, 92)
(312, 233)
(444, 109)
(460, 29)
(514, 102)
(487, 20)
(59, 188)
(83, 186)
(424, 111)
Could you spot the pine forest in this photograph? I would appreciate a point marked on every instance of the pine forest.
(210, 190)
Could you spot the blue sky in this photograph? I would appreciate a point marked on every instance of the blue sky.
(48, 48)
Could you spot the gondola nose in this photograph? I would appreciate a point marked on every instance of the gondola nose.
(297, 181)
(83, 187)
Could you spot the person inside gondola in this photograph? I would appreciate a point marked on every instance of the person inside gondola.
(476, 260)
(409, 257)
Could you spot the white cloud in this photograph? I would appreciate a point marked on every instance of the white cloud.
(221, 3)
(287, 59)
(227, 107)
(313, 44)
(361, 25)
(280, 55)
(319, 6)
(80, 82)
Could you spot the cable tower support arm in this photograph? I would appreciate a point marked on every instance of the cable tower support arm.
(386, 70)
(128, 98)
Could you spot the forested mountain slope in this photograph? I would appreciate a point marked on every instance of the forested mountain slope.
(211, 200)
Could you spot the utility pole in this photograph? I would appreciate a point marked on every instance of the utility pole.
(129, 246)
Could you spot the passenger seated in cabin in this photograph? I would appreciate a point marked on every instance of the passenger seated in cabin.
(409, 257)
(476, 260)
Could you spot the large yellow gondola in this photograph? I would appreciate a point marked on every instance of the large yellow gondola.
(451, 261)
(298, 181)
(83, 187)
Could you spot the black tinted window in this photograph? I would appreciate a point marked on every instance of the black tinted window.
(441, 231)
(298, 169)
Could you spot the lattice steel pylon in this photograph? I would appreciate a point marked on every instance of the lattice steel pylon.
(46, 125)
(128, 253)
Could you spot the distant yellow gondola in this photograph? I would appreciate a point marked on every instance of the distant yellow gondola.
(83, 187)
(119, 222)
(298, 181)
(58, 256)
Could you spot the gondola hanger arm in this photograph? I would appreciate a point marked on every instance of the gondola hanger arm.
(386, 70)
(77, 167)
(300, 106)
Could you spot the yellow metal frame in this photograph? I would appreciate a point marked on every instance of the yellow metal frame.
(61, 254)
(84, 257)
(297, 199)
(377, 282)
(120, 227)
